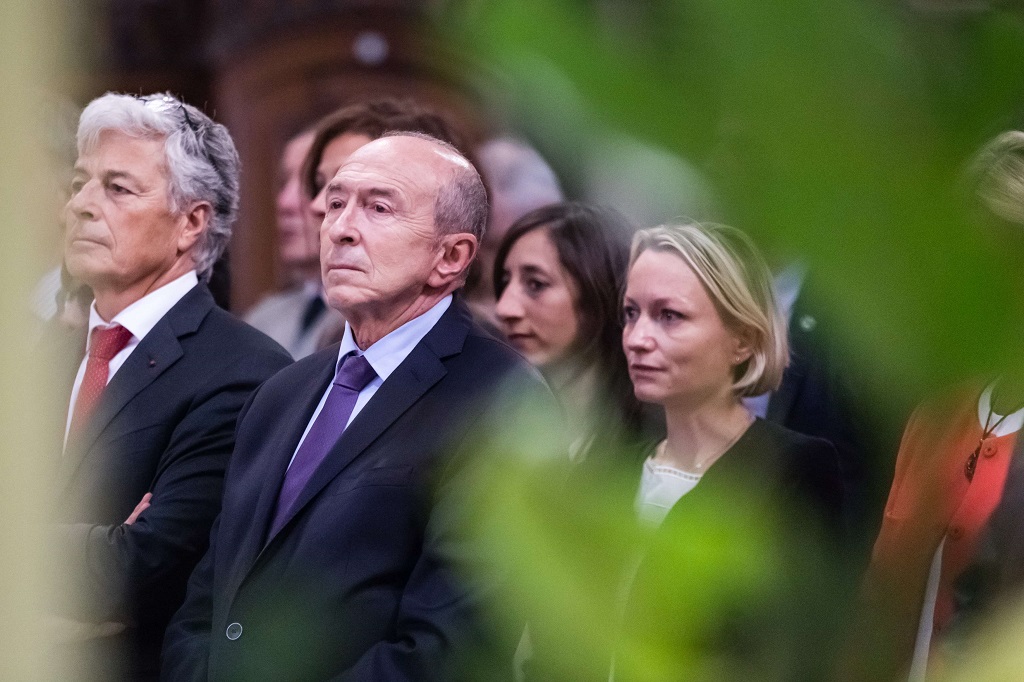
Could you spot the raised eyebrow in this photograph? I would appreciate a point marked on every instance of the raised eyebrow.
(118, 175)
(668, 303)
(381, 192)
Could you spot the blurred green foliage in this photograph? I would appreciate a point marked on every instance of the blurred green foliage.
(837, 132)
(740, 588)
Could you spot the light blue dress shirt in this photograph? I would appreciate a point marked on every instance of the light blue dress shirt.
(384, 356)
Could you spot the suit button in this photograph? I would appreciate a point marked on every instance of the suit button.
(234, 631)
(956, 532)
(989, 449)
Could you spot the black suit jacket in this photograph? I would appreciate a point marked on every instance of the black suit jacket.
(164, 424)
(364, 581)
(816, 399)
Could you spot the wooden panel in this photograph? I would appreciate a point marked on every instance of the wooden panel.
(267, 92)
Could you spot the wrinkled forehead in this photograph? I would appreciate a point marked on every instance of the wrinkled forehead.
(420, 167)
(120, 150)
(400, 153)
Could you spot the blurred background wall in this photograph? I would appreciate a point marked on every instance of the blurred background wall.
(33, 63)
(267, 69)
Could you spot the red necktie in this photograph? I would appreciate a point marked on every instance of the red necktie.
(104, 344)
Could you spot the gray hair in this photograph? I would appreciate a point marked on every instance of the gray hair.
(461, 203)
(201, 159)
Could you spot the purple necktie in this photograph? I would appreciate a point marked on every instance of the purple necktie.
(352, 377)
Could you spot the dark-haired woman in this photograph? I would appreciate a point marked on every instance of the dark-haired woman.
(558, 274)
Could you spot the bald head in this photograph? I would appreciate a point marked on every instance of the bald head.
(460, 200)
(404, 216)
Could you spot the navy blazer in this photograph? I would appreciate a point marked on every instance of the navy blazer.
(164, 424)
(364, 581)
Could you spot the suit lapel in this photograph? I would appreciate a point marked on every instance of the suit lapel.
(403, 388)
(406, 385)
(281, 449)
(152, 357)
(277, 452)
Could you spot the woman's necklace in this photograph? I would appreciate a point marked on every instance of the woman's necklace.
(699, 467)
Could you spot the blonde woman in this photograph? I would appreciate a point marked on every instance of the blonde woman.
(701, 332)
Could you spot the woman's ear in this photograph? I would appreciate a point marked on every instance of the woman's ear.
(743, 347)
(457, 252)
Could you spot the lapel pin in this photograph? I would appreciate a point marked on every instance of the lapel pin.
(808, 323)
(152, 362)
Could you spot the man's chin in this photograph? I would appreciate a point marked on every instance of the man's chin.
(342, 299)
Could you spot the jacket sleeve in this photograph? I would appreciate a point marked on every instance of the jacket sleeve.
(118, 571)
(916, 515)
(186, 650)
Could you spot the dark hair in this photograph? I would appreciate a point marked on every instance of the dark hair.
(373, 119)
(593, 246)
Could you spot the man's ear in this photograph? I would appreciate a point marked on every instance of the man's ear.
(197, 219)
(457, 252)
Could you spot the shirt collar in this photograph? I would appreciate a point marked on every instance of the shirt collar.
(787, 287)
(389, 352)
(999, 425)
(142, 315)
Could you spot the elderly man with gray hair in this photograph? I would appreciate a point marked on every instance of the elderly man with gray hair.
(151, 410)
(341, 550)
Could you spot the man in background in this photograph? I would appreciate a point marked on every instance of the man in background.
(518, 181)
(297, 316)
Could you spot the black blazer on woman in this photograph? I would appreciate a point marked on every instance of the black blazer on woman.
(737, 575)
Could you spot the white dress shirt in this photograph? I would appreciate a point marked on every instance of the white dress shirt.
(138, 318)
(384, 356)
(661, 486)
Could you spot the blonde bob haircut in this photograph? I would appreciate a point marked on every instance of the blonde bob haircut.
(739, 283)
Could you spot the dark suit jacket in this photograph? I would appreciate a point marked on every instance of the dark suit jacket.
(816, 399)
(734, 574)
(164, 424)
(364, 581)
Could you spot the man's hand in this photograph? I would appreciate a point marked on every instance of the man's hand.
(142, 506)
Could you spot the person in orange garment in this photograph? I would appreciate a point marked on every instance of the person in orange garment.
(934, 552)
